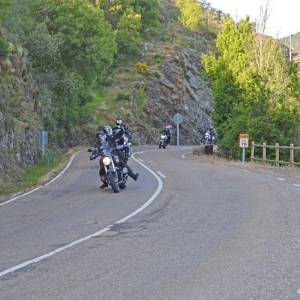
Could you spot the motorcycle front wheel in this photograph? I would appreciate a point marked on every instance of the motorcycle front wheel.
(113, 182)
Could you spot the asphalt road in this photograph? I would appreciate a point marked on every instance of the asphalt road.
(214, 232)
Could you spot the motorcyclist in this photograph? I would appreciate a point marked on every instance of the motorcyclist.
(124, 135)
(167, 131)
(107, 135)
(210, 135)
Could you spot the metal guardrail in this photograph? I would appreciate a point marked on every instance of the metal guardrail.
(291, 149)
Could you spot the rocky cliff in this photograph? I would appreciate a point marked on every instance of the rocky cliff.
(169, 79)
(179, 86)
(19, 121)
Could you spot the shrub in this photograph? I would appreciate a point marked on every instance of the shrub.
(141, 67)
(123, 96)
(4, 48)
(158, 58)
(141, 96)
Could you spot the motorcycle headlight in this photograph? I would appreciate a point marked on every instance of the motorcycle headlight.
(106, 160)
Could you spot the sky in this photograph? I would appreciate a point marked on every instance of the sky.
(284, 14)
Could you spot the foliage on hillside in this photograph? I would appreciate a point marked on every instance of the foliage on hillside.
(200, 16)
(69, 46)
(255, 91)
(84, 55)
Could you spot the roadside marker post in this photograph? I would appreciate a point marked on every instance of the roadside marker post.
(244, 143)
(43, 141)
(177, 120)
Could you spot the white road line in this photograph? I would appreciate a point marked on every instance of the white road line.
(296, 184)
(79, 241)
(46, 184)
(140, 159)
(281, 179)
(298, 291)
(161, 174)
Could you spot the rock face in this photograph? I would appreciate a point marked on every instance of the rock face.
(179, 86)
(19, 121)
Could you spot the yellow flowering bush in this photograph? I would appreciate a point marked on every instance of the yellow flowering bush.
(141, 67)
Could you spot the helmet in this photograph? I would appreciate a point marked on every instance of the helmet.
(119, 122)
(107, 130)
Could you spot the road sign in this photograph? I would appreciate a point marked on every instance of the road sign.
(177, 118)
(43, 140)
(244, 140)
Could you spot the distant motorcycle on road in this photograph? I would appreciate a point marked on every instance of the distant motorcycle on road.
(210, 137)
(163, 141)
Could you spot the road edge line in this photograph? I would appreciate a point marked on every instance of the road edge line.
(62, 172)
(97, 233)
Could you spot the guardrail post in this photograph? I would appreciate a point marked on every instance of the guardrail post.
(277, 153)
(292, 154)
(252, 150)
(264, 152)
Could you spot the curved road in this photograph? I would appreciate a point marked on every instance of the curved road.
(214, 232)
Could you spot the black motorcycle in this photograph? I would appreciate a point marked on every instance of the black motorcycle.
(110, 170)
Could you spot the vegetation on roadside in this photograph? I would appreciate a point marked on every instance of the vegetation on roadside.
(76, 64)
(32, 176)
(256, 91)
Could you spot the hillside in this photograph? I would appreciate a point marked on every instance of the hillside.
(19, 114)
(140, 63)
(295, 39)
(172, 81)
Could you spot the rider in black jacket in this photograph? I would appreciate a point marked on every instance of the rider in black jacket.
(112, 137)
(167, 131)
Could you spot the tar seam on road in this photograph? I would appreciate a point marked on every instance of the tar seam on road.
(65, 169)
(74, 243)
(281, 179)
(184, 154)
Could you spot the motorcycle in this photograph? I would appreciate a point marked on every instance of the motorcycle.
(163, 141)
(126, 147)
(209, 138)
(112, 173)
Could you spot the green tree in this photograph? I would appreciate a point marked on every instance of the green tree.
(4, 7)
(190, 13)
(88, 44)
(254, 91)
(150, 14)
(128, 32)
(70, 46)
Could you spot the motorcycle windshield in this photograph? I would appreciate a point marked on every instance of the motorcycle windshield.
(106, 149)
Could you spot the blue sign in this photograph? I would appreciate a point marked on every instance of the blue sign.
(43, 140)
